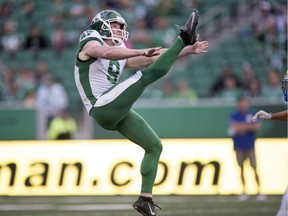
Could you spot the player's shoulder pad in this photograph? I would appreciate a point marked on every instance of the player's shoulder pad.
(90, 35)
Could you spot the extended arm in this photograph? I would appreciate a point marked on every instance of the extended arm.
(93, 49)
(139, 62)
(281, 116)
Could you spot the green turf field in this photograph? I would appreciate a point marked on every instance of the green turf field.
(121, 206)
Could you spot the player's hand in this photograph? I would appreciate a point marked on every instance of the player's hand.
(152, 52)
(261, 114)
(199, 47)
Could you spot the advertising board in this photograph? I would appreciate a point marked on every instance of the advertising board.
(111, 167)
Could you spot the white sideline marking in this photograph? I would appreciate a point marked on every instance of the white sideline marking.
(95, 207)
(228, 211)
(26, 207)
(45, 207)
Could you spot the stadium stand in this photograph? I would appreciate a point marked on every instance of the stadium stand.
(220, 23)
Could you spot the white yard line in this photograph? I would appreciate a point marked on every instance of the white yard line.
(116, 207)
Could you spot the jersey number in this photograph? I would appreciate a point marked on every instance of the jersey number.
(113, 72)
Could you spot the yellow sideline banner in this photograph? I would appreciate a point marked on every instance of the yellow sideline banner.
(112, 167)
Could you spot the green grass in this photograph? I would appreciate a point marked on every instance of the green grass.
(121, 206)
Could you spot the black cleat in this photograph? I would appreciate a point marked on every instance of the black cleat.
(188, 31)
(146, 208)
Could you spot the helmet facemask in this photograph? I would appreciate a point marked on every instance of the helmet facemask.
(117, 39)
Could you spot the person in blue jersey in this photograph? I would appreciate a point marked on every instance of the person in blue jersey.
(242, 130)
(100, 60)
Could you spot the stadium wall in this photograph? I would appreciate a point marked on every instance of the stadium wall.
(169, 122)
(197, 122)
(18, 123)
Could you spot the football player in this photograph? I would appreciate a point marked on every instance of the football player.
(100, 60)
(281, 116)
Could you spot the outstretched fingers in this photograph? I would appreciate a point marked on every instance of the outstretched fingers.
(152, 52)
(200, 47)
(204, 45)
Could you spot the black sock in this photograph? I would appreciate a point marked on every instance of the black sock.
(146, 198)
(185, 37)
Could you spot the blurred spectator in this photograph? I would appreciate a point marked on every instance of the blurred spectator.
(166, 8)
(51, 97)
(141, 37)
(27, 8)
(230, 92)
(167, 88)
(242, 130)
(163, 34)
(9, 89)
(36, 41)
(276, 55)
(7, 8)
(11, 41)
(219, 84)
(261, 20)
(183, 91)
(77, 8)
(3, 69)
(127, 7)
(58, 40)
(62, 126)
(9, 75)
(125, 4)
(58, 12)
(106, 5)
(89, 14)
(10, 92)
(270, 28)
(41, 71)
(253, 91)
(143, 11)
(247, 75)
(30, 99)
(272, 90)
(26, 81)
(80, 12)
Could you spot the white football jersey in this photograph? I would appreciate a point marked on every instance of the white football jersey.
(95, 76)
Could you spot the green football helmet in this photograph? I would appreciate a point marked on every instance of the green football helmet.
(101, 23)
